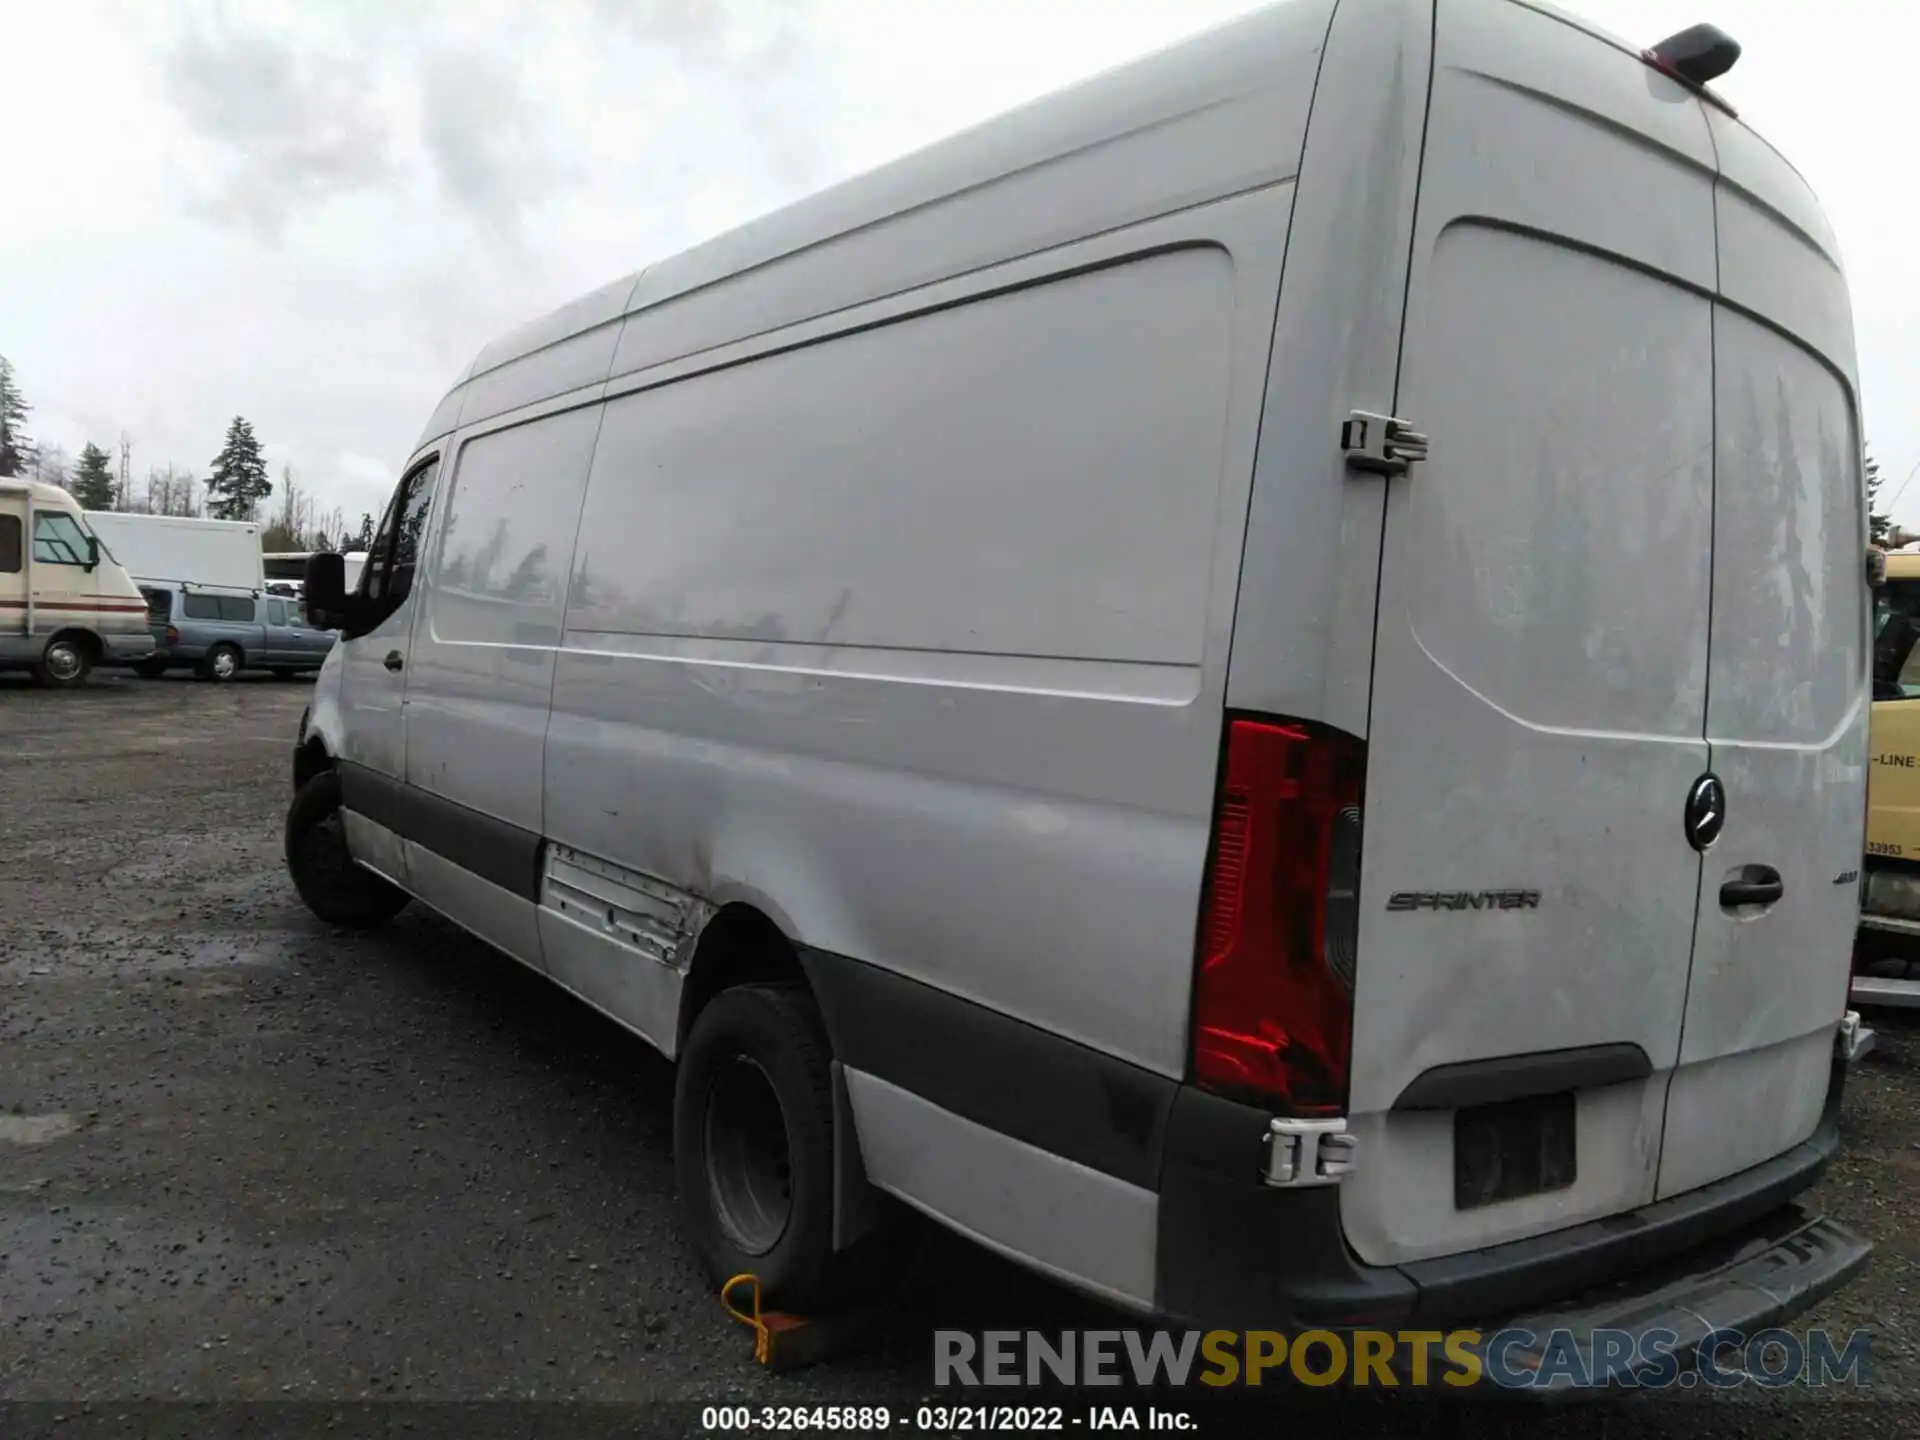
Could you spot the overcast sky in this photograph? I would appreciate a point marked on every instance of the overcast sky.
(314, 213)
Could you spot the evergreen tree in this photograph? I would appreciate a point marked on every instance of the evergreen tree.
(16, 450)
(93, 483)
(239, 480)
(1878, 521)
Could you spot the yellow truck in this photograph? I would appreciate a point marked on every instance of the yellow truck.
(1887, 967)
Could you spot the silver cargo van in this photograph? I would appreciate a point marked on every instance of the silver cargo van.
(1248, 684)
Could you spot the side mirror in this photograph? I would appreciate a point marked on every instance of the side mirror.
(326, 591)
(93, 552)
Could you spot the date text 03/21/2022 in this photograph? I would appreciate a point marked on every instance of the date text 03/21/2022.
(941, 1419)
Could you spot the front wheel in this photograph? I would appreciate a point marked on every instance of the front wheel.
(753, 1143)
(65, 663)
(333, 887)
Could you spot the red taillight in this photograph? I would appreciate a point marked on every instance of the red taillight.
(1273, 999)
(173, 636)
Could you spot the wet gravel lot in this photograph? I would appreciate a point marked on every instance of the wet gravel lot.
(292, 1178)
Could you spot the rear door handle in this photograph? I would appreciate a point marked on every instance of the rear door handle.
(393, 660)
(1755, 885)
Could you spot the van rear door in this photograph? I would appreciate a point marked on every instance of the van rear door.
(1541, 657)
(1787, 687)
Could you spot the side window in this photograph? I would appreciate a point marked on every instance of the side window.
(200, 607)
(57, 540)
(276, 612)
(9, 544)
(1896, 658)
(396, 547)
(238, 607)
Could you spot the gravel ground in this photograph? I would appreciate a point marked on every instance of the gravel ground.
(258, 1175)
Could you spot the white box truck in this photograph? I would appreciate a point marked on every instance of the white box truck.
(219, 553)
(1248, 684)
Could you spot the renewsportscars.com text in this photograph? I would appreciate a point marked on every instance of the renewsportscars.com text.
(1513, 1359)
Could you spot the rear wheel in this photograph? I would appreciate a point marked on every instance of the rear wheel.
(65, 662)
(753, 1144)
(222, 663)
(333, 887)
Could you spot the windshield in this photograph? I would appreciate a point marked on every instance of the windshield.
(106, 551)
(1896, 625)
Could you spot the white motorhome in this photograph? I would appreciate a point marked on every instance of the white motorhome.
(65, 604)
(220, 554)
(1247, 684)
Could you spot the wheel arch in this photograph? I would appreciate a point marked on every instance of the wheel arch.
(310, 758)
(742, 944)
(90, 639)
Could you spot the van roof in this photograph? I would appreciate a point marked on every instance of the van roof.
(1208, 70)
(39, 492)
(1201, 71)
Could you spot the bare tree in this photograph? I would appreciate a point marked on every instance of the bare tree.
(52, 465)
(170, 491)
(329, 531)
(293, 521)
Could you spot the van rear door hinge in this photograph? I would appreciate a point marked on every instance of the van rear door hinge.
(1380, 444)
(1308, 1152)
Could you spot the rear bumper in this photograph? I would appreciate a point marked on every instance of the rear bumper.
(1238, 1254)
(1686, 1309)
(126, 649)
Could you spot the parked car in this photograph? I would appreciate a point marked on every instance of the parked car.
(1124, 683)
(219, 633)
(65, 604)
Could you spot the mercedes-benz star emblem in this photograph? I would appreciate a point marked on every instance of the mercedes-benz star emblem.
(1706, 811)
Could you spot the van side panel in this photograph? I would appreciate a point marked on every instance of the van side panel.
(489, 604)
(491, 601)
(1033, 474)
(1303, 630)
(974, 629)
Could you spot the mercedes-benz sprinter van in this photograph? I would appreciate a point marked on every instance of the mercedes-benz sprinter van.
(1248, 684)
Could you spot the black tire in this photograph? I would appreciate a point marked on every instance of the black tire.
(1884, 956)
(65, 663)
(151, 669)
(333, 887)
(223, 662)
(756, 1184)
